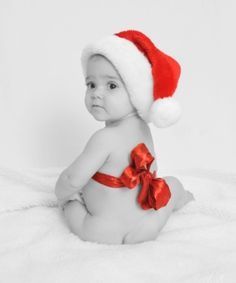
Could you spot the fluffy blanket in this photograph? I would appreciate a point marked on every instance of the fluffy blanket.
(198, 243)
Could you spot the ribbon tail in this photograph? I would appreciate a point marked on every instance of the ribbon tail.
(143, 195)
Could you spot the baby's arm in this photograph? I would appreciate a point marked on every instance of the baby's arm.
(76, 176)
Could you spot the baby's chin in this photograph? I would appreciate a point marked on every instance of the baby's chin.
(98, 117)
(102, 116)
(102, 119)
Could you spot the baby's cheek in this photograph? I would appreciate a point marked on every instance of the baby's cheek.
(87, 101)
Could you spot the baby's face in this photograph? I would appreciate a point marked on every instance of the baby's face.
(106, 96)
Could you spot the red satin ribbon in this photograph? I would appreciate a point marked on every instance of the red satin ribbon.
(154, 193)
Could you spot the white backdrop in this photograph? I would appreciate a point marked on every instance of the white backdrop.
(43, 119)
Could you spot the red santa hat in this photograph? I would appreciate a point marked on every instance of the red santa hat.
(150, 75)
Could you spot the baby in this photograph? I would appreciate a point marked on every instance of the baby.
(111, 194)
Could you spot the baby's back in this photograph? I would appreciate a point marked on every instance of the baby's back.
(122, 140)
(119, 204)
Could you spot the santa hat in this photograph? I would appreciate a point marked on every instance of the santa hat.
(150, 75)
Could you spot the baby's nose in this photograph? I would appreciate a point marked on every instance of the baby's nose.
(98, 93)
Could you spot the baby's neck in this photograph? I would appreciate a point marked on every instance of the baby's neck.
(123, 120)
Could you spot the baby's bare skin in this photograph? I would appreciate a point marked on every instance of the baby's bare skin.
(105, 214)
(110, 214)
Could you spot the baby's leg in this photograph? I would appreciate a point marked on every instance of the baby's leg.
(75, 213)
(90, 227)
(150, 226)
(180, 195)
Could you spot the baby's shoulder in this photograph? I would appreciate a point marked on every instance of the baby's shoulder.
(104, 133)
(104, 137)
(109, 138)
(107, 133)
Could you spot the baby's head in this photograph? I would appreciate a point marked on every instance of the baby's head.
(146, 78)
(106, 97)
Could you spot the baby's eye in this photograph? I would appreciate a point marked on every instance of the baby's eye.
(90, 85)
(112, 85)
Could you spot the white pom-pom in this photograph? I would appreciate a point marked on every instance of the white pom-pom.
(164, 112)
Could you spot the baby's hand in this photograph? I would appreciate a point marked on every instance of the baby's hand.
(76, 196)
(61, 203)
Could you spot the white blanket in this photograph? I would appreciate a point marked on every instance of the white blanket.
(198, 243)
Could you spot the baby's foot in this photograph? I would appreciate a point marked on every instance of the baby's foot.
(184, 199)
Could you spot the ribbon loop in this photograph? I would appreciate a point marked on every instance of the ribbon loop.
(154, 192)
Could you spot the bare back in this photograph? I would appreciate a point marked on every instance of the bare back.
(119, 204)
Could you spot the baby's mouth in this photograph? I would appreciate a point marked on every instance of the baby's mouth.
(98, 106)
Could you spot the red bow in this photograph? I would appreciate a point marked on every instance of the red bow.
(155, 192)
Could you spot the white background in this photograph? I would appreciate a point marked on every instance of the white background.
(43, 119)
